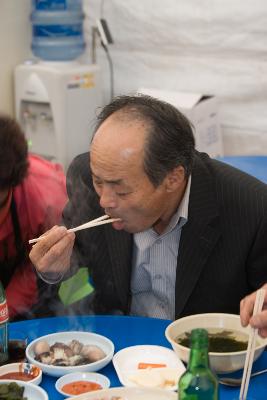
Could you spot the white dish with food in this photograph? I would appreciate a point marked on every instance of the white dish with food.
(148, 366)
(25, 372)
(131, 393)
(31, 391)
(81, 382)
(61, 353)
(225, 325)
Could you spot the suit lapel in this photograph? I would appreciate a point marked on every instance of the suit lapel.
(120, 251)
(199, 234)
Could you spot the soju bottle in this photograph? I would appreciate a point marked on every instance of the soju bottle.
(3, 326)
(198, 382)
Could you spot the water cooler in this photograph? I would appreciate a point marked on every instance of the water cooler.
(56, 105)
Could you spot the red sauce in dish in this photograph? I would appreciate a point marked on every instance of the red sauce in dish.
(79, 387)
(20, 376)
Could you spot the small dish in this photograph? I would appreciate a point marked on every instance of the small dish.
(126, 363)
(133, 393)
(86, 338)
(21, 368)
(31, 392)
(92, 377)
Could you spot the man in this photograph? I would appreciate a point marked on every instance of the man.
(32, 197)
(193, 231)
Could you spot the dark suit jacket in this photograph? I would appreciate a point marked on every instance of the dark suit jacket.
(223, 246)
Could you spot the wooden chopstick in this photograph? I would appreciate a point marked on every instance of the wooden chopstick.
(251, 346)
(92, 224)
(105, 219)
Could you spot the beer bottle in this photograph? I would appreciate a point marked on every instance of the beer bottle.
(3, 326)
(198, 382)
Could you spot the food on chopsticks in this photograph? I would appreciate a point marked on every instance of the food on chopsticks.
(144, 365)
(156, 377)
(105, 219)
(79, 387)
(220, 340)
(71, 354)
(11, 391)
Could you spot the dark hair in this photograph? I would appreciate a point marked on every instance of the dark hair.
(170, 140)
(13, 153)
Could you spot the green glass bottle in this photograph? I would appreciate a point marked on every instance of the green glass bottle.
(198, 382)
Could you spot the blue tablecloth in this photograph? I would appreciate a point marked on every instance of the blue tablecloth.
(124, 332)
(253, 165)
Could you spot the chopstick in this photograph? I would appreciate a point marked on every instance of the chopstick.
(105, 219)
(251, 346)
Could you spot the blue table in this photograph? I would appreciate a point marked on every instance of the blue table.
(253, 165)
(124, 332)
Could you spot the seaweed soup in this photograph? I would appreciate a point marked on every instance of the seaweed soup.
(220, 340)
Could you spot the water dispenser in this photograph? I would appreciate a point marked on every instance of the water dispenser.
(56, 105)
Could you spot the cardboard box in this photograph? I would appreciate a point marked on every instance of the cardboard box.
(202, 111)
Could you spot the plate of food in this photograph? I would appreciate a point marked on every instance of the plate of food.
(148, 366)
(131, 393)
(22, 390)
(64, 352)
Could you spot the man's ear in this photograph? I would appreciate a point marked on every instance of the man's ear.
(175, 179)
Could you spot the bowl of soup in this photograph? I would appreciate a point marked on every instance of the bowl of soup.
(227, 339)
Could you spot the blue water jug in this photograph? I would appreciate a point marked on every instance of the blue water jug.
(57, 5)
(57, 34)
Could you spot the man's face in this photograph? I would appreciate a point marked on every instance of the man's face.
(119, 179)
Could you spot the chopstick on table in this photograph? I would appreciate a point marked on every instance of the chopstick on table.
(251, 346)
(105, 219)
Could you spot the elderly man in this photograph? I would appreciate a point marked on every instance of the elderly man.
(192, 232)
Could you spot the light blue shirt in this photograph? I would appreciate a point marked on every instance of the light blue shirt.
(154, 266)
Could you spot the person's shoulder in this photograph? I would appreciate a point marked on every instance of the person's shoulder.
(78, 174)
(80, 163)
(42, 167)
(233, 178)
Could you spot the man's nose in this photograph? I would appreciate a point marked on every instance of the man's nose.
(107, 198)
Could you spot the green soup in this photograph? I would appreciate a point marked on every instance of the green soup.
(220, 341)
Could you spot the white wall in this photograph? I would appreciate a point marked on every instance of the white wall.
(213, 47)
(15, 33)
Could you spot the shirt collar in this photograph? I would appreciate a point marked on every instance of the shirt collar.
(181, 214)
(180, 217)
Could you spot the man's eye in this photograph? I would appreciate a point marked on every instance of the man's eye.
(97, 183)
(121, 194)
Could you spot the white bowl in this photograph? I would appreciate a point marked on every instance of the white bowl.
(220, 362)
(65, 337)
(82, 376)
(129, 394)
(126, 363)
(21, 367)
(32, 392)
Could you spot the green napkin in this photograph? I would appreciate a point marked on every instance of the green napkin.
(75, 288)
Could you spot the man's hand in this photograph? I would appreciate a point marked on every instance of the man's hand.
(51, 255)
(246, 310)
